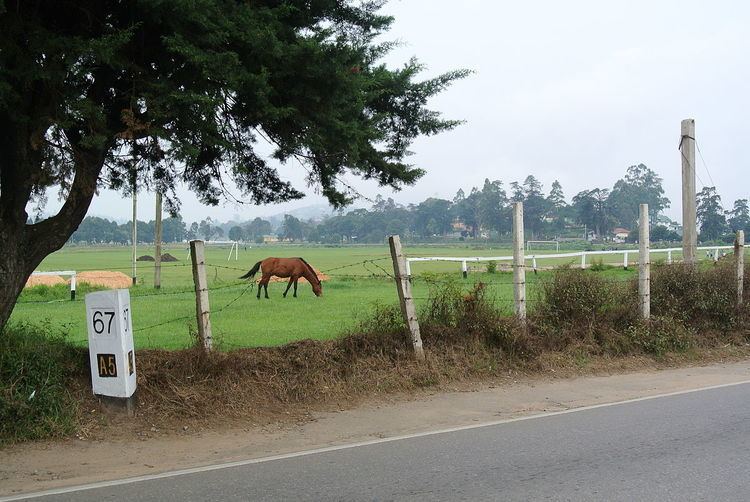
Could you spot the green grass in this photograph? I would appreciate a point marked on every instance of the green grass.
(36, 364)
(165, 318)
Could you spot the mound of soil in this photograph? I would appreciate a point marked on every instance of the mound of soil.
(46, 280)
(320, 275)
(145, 257)
(105, 278)
(168, 257)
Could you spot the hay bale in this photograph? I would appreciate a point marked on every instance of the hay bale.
(168, 257)
(105, 278)
(145, 257)
(46, 280)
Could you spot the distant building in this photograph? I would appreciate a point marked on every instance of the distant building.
(620, 234)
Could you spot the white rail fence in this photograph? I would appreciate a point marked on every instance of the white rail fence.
(71, 273)
(712, 251)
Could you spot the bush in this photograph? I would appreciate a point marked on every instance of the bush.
(573, 296)
(36, 364)
(660, 335)
(491, 267)
(700, 295)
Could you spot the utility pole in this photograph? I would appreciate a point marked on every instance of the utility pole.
(133, 181)
(689, 229)
(157, 242)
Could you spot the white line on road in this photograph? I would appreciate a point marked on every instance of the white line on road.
(240, 463)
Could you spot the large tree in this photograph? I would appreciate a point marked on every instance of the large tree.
(592, 209)
(556, 206)
(640, 185)
(710, 214)
(105, 93)
(739, 216)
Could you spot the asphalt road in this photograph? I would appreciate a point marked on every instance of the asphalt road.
(693, 446)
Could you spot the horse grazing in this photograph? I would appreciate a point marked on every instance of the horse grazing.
(294, 268)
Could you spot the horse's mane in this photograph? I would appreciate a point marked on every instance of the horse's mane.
(309, 268)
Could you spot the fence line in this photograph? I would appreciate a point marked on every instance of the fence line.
(577, 254)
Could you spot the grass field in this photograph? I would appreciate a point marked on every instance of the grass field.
(164, 318)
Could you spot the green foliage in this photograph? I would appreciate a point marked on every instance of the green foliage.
(445, 302)
(207, 80)
(577, 296)
(713, 223)
(739, 216)
(640, 185)
(36, 365)
(701, 295)
(491, 267)
(660, 335)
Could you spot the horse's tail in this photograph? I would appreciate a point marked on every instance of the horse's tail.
(252, 271)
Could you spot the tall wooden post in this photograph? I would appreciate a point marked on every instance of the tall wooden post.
(135, 227)
(202, 308)
(739, 262)
(519, 265)
(157, 242)
(644, 263)
(403, 285)
(689, 230)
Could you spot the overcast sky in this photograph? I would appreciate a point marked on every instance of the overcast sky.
(575, 91)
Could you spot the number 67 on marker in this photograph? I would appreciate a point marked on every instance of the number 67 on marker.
(110, 334)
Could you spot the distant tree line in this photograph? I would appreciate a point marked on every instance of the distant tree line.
(95, 230)
(483, 213)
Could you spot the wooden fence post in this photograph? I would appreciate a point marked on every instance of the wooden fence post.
(739, 262)
(403, 285)
(644, 263)
(519, 265)
(202, 309)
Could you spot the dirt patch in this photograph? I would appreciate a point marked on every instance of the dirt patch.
(321, 276)
(105, 278)
(168, 257)
(46, 280)
(145, 257)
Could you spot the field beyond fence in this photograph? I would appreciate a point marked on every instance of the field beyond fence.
(360, 278)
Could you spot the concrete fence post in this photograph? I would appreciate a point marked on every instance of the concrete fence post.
(689, 228)
(644, 263)
(739, 262)
(519, 265)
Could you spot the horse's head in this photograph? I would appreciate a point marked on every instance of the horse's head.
(317, 288)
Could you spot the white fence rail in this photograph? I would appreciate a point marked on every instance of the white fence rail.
(713, 252)
(71, 273)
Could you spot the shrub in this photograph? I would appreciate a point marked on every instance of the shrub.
(660, 335)
(574, 296)
(491, 267)
(36, 364)
(700, 295)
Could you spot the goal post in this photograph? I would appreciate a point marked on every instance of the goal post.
(556, 244)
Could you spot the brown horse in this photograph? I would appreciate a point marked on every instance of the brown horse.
(294, 268)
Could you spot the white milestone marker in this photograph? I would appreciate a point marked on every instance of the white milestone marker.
(111, 352)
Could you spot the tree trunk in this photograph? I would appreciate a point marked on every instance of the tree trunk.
(26, 245)
(16, 264)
